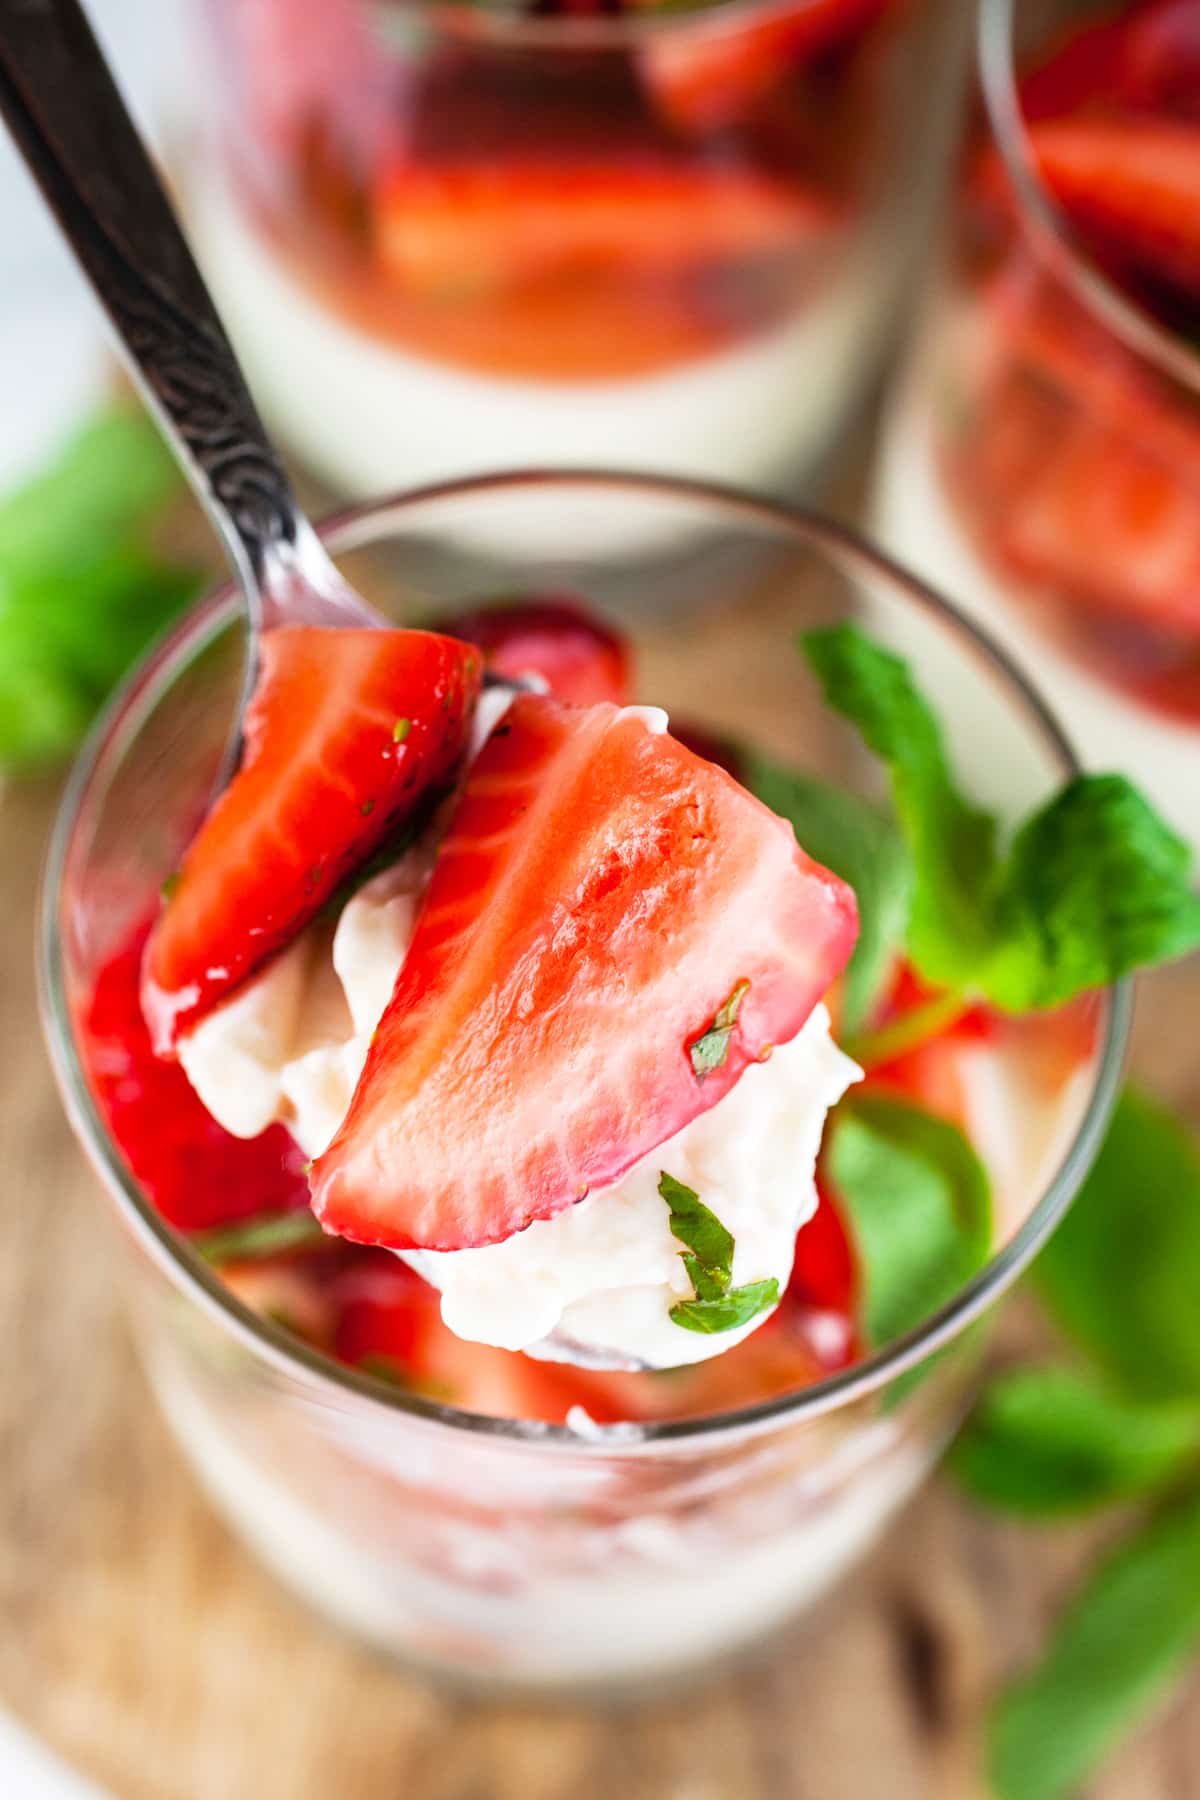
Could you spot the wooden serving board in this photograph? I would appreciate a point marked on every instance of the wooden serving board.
(145, 1645)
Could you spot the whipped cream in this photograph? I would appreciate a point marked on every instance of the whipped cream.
(598, 1280)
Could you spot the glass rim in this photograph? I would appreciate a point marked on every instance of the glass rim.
(354, 527)
(1130, 323)
(582, 31)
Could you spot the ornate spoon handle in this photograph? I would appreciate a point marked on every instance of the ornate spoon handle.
(70, 122)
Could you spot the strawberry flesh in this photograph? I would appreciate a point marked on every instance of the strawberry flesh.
(600, 895)
(347, 732)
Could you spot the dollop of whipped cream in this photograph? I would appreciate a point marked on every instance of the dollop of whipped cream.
(596, 1282)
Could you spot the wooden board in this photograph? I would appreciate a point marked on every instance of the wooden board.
(145, 1645)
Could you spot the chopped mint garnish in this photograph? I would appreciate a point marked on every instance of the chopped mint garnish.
(367, 808)
(708, 1260)
(400, 730)
(1093, 886)
(170, 886)
(266, 1234)
(709, 1051)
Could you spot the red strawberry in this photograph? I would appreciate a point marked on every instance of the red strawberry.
(578, 657)
(708, 72)
(1162, 58)
(1132, 187)
(194, 1172)
(390, 1325)
(601, 895)
(346, 733)
(461, 228)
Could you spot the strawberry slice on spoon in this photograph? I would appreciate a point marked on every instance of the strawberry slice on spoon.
(600, 897)
(347, 733)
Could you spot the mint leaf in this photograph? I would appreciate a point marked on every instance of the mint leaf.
(724, 1313)
(1122, 1273)
(709, 1263)
(916, 1196)
(83, 589)
(1049, 1441)
(1094, 885)
(860, 843)
(952, 844)
(265, 1234)
(1125, 1639)
(710, 1049)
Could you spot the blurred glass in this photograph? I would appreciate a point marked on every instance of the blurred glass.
(491, 1548)
(1042, 461)
(455, 238)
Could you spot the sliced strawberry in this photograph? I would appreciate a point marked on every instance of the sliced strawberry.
(824, 1273)
(346, 732)
(1146, 56)
(580, 658)
(601, 895)
(195, 1173)
(1132, 187)
(462, 228)
(709, 72)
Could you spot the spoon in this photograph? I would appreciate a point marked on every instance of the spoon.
(60, 102)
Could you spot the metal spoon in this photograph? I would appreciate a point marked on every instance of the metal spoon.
(60, 102)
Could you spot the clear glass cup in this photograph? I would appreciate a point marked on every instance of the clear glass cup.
(491, 1548)
(454, 238)
(1042, 458)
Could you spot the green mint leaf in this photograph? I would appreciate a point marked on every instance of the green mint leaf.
(1049, 1441)
(1115, 1653)
(952, 844)
(917, 1199)
(859, 842)
(82, 588)
(702, 1232)
(266, 1234)
(727, 1311)
(1094, 884)
(709, 1263)
(710, 1049)
(1122, 1273)
(400, 730)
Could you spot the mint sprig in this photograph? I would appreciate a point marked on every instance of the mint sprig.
(83, 585)
(1121, 1279)
(1049, 1441)
(1093, 886)
(708, 1259)
(1125, 1639)
(1121, 1276)
(917, 1199)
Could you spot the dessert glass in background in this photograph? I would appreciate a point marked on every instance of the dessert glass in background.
(1042, 458)
(490, 1547)
(454, 238)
